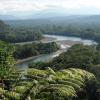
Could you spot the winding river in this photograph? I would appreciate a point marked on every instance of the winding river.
(64, 41)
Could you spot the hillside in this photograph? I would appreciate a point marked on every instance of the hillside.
(9, 34)
(57, 20)
(87, 27)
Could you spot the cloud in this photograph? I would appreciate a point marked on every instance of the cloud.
(10, 6)
(26, 6)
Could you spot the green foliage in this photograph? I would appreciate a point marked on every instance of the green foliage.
(34, 49)
(40, 84)
(49, 85)
(79, 26)
(6, 59)
(39, 65)
(64, 83)
(79, 55)
(12, 35)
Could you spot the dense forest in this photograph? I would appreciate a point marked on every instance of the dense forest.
(73, 75)
(34, 49)
(78, 56)
(79, 26)
(9, 34)
(48, 84)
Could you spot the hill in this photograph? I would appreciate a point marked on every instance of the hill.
(80, 19)
(9, 34)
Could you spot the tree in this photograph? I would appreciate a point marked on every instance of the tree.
(58, 85)
(6, 62)
(79, 55)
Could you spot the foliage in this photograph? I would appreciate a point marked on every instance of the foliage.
(79, 55)
(50, 85)
(6, 59)
(39, 65)
(34, 49)
(79, 26)
(12, 35)
(6, 65)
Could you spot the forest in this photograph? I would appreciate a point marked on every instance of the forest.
(34, 49)
(73, 75)
(51, 83)
(78, 56)
(9, 34)
(87, 27)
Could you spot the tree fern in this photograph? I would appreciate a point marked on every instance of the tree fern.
(49, 85)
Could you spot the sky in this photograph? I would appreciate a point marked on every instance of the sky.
(28, 7)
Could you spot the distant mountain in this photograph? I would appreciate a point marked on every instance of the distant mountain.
(3, 26)
(7, 17)
(34, 15)
(92, 18)
(46, 14)
(75, 19)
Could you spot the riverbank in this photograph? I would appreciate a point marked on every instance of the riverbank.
(44, 40)
(71, 40)
(23, 64)
(27, 59)
(63, 44)
(62, 41)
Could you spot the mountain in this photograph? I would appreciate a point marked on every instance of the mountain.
(46, 14)
(3, 27)
(7, 17)
(33, 15)
(58, 20)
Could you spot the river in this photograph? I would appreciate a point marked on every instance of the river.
(64, 41)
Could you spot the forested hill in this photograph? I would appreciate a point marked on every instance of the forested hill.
(4, 28)
(80, 26)
(9, 34)
(64, 20)
(3, 25)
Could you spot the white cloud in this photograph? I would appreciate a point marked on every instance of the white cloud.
(10, 6)
(24, 6)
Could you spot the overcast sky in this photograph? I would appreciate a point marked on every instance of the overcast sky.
(15, 7)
